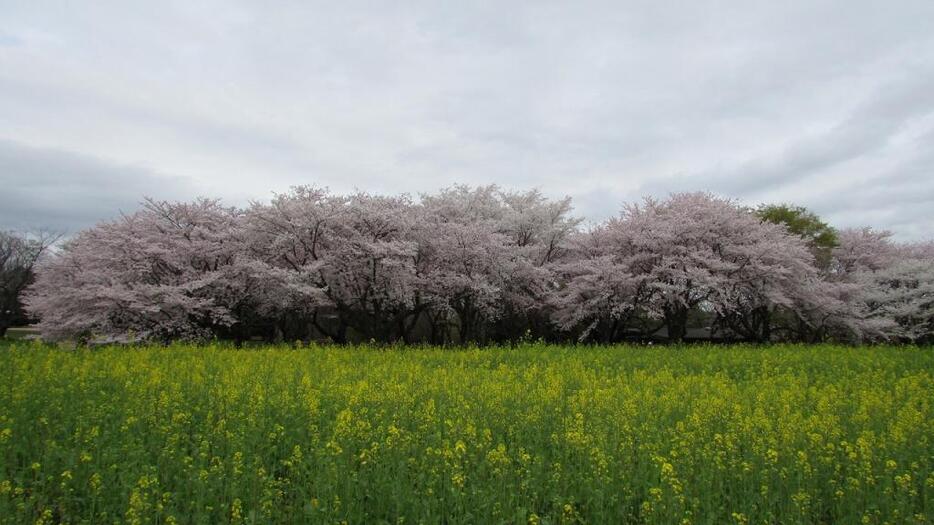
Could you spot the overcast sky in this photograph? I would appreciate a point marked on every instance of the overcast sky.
(825, 104)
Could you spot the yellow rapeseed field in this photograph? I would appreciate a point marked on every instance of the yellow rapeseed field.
(532, 435)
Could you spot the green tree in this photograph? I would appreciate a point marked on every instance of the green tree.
(19, 254)
(820, 236)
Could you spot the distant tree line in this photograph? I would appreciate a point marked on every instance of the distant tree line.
(480, 265)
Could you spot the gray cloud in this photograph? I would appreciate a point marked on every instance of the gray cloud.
(868, 129)
(44, 188)
(820, 102)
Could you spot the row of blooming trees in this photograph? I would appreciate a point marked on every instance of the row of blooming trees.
(481, 265)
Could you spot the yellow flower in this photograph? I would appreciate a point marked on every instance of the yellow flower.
(95, 482)
(457, 480)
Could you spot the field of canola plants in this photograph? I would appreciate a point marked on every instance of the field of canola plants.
(531, 434)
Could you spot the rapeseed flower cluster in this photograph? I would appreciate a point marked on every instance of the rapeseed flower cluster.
(531, 435)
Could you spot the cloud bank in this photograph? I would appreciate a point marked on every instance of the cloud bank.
(829, 104)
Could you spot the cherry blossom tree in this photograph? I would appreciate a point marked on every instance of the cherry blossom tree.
(484, 257)
(291, 239)
(369, 275)
(893, 285)
(596, 295)
(701, 251)
(538, 230)
(862, 249)
(350, 256)
(899, 299)
(463, 257)
(536, 225)
(690, 252)
(153, 275)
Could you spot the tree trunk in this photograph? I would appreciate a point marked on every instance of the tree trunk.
(766, 329)
(465, 331)
(434, 334)
(340, 335)
(676, 319)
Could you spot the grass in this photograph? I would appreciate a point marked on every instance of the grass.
(20, 333)
(535, 434)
